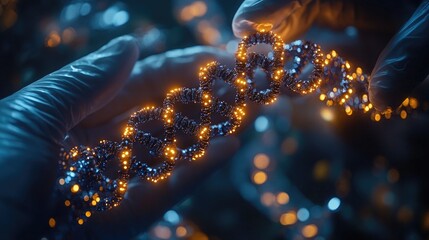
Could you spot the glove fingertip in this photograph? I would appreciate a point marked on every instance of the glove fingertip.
(384, 94)
(243, 27)
(125, 43)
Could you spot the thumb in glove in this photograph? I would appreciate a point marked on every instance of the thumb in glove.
(34, 121)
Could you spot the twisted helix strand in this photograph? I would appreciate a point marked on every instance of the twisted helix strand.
(83, 182)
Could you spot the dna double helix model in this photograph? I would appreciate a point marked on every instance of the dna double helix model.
(83, 183)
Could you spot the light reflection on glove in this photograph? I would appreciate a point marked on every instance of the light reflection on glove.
(402, 65)
(80, 100)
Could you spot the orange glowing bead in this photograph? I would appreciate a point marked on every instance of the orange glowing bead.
(75, 188)
(261, 161)
(181, 231)
(377, 117)
(260, 177)
(403, 114)
(282, 198)
(288, 218)
(52, 222)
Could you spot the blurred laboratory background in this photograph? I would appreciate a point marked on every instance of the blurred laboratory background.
(304, 170)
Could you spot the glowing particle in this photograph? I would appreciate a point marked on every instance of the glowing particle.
(261, 124)
(75, 188)
(181, 231)
(261, 161)
(120, 18)
(334, 203)
(414, 103)
(403, 114)
(61, 181)
(327, 114)
(303, 214)
(53, 39)
(52, 222)
(377, 117)
(366, 109)
(288, 218)
(309, 231)
(260, 177)
(347, 65)
(282, 198)
(268, 199)
(348, 110)
(359, 70)
(172, 217)
(388, 115)
(406, 102)
(162, 232)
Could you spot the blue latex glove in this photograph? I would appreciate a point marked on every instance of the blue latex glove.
(402, 65)
(80, 101)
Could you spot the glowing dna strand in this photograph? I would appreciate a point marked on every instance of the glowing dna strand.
(83, 182)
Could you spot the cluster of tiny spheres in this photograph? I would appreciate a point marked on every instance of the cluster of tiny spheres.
(83, 184)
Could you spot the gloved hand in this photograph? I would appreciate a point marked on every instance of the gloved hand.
(81, 100)
(402, 65)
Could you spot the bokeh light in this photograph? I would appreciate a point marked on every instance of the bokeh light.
(334, 203)
(309, 231)
(260, 177)
(288, 218)
(303, 214)
(261, 124)
(261, 161)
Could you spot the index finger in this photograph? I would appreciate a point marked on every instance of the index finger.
(403, 64)
(289, 18)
